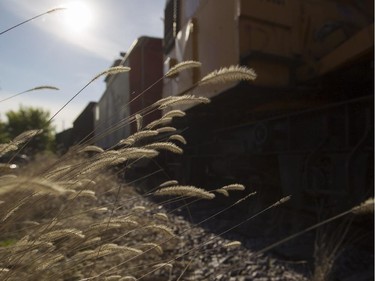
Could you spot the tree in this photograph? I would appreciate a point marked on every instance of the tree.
(3, 134)
(29, 118)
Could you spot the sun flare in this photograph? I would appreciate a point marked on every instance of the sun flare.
(77, 17)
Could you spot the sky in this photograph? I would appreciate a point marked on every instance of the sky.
(66, 49)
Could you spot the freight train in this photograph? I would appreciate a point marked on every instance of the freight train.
(305, 126)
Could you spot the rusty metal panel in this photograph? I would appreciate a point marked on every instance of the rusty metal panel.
(145, 60)
(357, 46)
(277, 12)
(255, 35)
(211, 37)
(83, 125)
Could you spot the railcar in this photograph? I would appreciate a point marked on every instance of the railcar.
(304, 127)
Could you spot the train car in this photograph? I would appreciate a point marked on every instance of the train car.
(127, 93)
(111, 109)
(81, 132)
(304, 127)
(83, 125)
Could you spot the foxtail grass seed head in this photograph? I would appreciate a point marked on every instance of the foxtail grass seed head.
(168, 183)
(123, 249)
(83, 255)
(25, 136)
(222, 191)
(71, 193)
(30, 90)
(29, 246)
(166, 130)
(121, 160)
(185, 190)
(99, 165)
(139, 121)
(229, 74)
(7, 147)
(102, 226)
(283, 200)
(233, 244)
(87, 182)
(30, 19)
(161, 229)
(61, 233)
(138, 136)
(139, 208)
(128, 278)
(137, 153)
(112, 71)
(159, 122)
(183, 100)
(8, 177)
(245, 198)
(126, 142)
(92, 241)
(30, 223)
(112, 278)
(91, 148)
(43, 88)
(100, 210)
(56, 9)
(125, 222)
(152, 246)
(235, 186)
(82, 194)
(100, 253)
(106, 154)
(182, 66)
(109, 246)
(366, 207)
(164, 265)
(15, 207)
(3, 270)
(179, 138)
(169, 146)
(57, 172)
(174, 113)
(163, 100)
(49, 261)
(161, 216)
(130, 250)
(39, 186)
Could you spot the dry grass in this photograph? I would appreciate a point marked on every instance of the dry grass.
(70, 218)
(68, 222)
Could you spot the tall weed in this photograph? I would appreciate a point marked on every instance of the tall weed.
(71, 218)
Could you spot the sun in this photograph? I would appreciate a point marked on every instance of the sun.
(77, 17)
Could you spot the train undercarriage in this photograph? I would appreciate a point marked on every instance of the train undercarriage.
(311, 141)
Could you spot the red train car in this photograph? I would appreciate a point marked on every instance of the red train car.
(127, 93)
